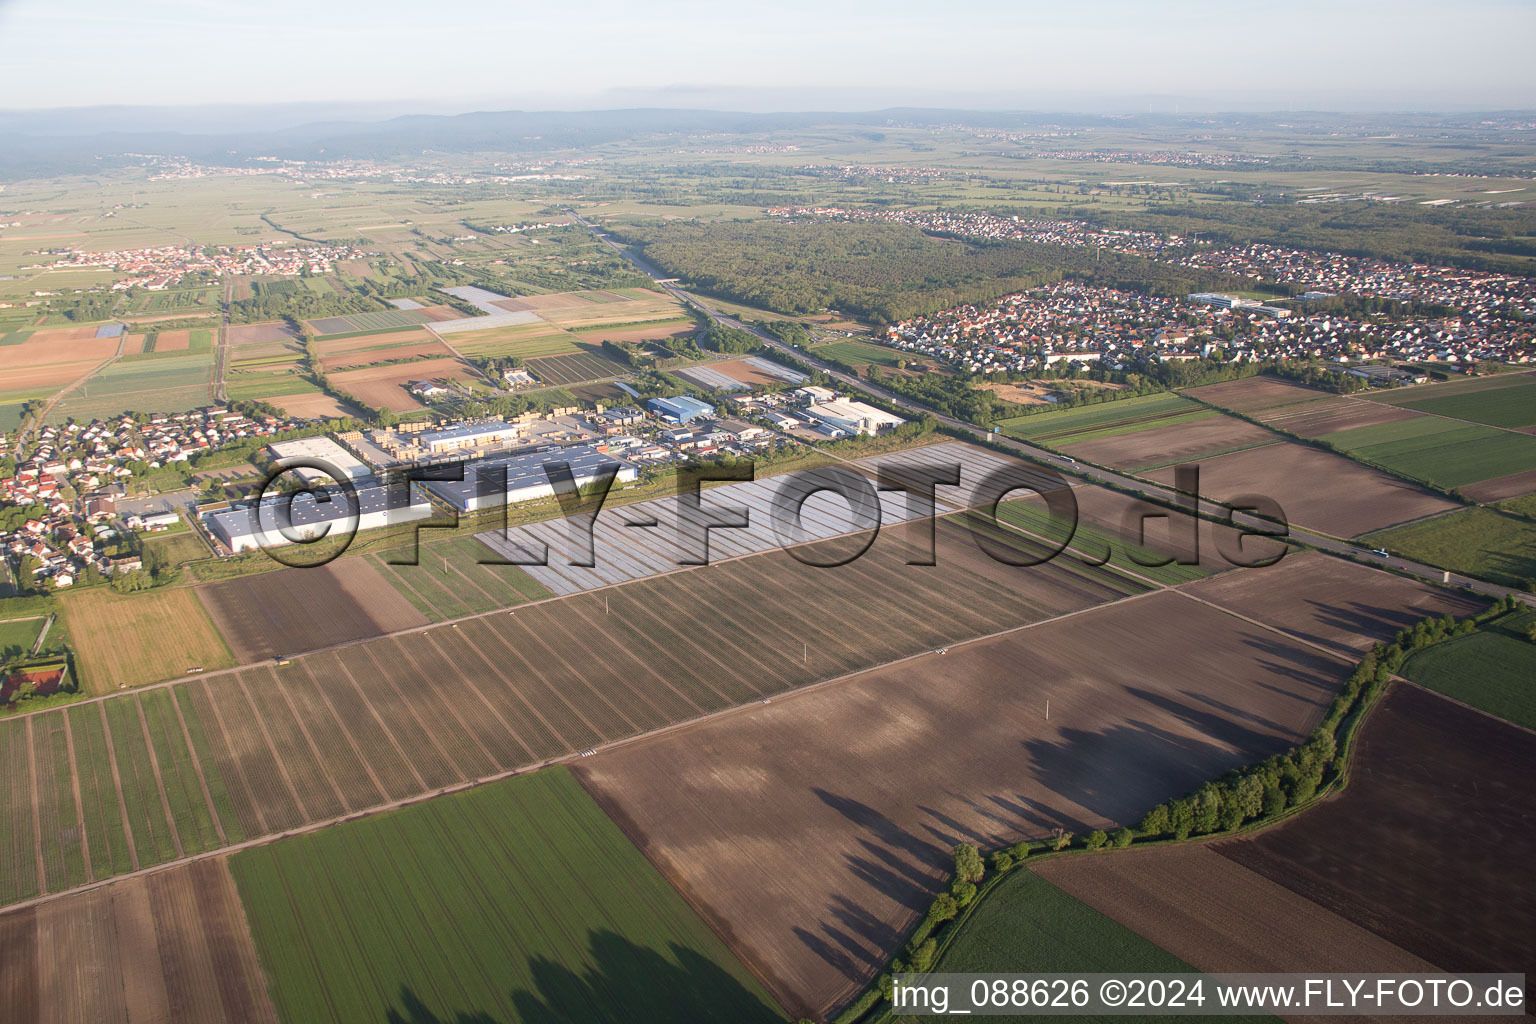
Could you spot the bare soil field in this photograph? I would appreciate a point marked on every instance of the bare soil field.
(1329, 415)
(1499, 488)
(557, 300)
(813, 831)
(1430, 846)
(66, 335)
(292, 610)
(419, 350)
(740, 369)
(26, 378)
(1021, 394)
(1341, 605)
(1218, 916)
(254, 333)
(172, 946)
(1119, 516)
(314, 405)
(53, 358)
(1163, 446)
(332, 347)
(133, 344)
(173, 341)
(1318, 490)
(665, 330)
(384, 386)
(437, 314)
(1251, 394)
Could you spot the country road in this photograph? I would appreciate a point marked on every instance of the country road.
(1151, 491)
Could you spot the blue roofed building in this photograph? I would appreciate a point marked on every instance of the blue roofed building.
(681, 409)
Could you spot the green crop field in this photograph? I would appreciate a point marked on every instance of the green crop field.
(1027, 925)
(1493, 669)
(516, 901)
(19, 634)
(1107, 419)
(859, 353)
(1502, 402)
(158, 384)
(1477, 541)
(1502, 407)
(1440, 451)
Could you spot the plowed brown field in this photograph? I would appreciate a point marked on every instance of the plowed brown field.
(304, 609)
(812, 831)
(171, 946)
(1431, 844)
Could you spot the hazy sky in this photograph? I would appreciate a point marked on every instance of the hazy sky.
(795, 54)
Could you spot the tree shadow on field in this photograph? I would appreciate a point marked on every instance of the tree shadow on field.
(1115, 774)
(1362, 619)
(621, 982)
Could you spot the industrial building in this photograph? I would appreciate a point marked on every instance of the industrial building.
(526, 478)
(853, 417)
(469, 435)
(681, 409)
(321, 449)
(305, 518)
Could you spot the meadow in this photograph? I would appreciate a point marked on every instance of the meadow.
(1493, 669)
(1439, 451)
(1107, 419)
(1480, 542)
(519, 901)
(18, 634)
(1499, 401)
(859, 353)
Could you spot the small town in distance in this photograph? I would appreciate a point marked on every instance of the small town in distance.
(596, 537)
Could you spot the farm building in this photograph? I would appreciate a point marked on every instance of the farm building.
(321, 449)
(469, 435)
(681, 409)
(526, 478)
(853, 417)
(279, 521)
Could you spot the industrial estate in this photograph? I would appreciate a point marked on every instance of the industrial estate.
(603, 567)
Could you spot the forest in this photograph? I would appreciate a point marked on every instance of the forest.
(884, 272)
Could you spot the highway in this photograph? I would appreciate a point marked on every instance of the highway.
(1150, 491)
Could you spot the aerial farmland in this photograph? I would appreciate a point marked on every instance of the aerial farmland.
(698, 566)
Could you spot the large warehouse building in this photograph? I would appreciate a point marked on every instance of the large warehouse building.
(527, 478)
(321, 449)
(681, 409)
(854, 417)
(469, 435)
(277, 522)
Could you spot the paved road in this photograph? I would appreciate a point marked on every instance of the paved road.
(1151, 491)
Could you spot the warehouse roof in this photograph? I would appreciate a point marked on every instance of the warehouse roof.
(683, 407)
(525, 469)
(307, 510)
